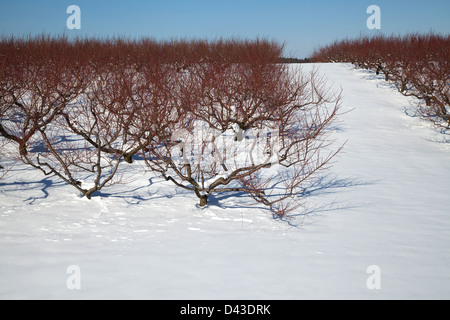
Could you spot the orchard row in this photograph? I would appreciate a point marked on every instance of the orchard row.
(208, 116)
(417, 64)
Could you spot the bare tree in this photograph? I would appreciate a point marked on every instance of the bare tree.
(48, 113)
(256, 127)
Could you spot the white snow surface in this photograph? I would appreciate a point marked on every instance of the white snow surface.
(384, 203)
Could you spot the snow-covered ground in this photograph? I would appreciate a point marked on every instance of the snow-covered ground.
(377, 225)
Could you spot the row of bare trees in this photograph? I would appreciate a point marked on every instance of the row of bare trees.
(210, 117)
(417, 64)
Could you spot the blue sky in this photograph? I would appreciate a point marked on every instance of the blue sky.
(301, 24)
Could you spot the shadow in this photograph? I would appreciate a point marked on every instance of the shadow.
(143, 193)
(440, 128)
(130, 196)
(297, 220)
(328, 184)
(43, 185)
(371, 75)
(323, 186)
(411, 112)
(158, 188)
(60, 145)
(442, 136)
(220, 200)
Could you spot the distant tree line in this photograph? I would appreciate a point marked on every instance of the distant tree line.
(295, 60)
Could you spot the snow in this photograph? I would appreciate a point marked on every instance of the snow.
(384, 203)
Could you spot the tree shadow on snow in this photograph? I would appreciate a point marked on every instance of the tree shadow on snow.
(321, 187)
(133, 196)
(316, 198)
(439, 128)
(29, 186)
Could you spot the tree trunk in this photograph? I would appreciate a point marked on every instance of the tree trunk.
(203, 200)
(128, 157)
(239, 135)
(379, 68)
(403, 87)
